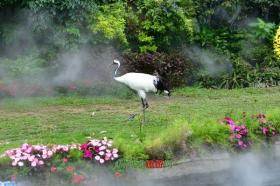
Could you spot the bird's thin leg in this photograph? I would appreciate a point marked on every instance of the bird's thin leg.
(143, 109)
(143, 103)
(146, 104)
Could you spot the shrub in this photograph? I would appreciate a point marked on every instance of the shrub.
(265, 127)
(276, 42)
(174, 67)
(261, 30)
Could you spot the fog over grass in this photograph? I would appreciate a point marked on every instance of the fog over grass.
(254, 168)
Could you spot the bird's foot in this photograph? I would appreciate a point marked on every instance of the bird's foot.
(131, 117)
(146, 105)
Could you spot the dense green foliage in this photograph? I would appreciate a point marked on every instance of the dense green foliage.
(240, 31)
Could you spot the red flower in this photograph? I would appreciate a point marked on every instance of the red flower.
(65, 160)
(53, 169)
(13, 178)
(77, 178)
(70, 168)
(118, 174)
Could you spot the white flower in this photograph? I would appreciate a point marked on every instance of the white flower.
(97, 158)
(33, 164)
(101, 153)
(101, 161)
(20, 163)
(115, 155)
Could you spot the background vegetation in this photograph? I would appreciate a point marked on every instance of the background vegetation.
(218, 44)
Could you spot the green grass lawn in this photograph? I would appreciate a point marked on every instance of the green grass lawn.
(64, 120)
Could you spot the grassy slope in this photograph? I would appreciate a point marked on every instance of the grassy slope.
(68, 119)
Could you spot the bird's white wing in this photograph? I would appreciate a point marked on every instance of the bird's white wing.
(138, 81)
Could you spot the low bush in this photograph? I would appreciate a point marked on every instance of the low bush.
(176, 68)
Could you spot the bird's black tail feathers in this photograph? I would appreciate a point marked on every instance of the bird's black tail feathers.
(161, 85)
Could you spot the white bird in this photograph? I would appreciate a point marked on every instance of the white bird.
(142, 83)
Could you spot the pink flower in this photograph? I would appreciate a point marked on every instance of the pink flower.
(238, 136)
(118, 174)
(33, 164)
(84, 146)
(229, 121)
(14, 163)
(13, 178)
(87, 154)
(29, 150)
(24, 157)
(50, 153)
(240, 143)
(102, 148)
(77, 178)
(107, 158)
(65, 160)
(53, 169)
(18, 155)
(70, 168)
(65, 148)
(41, 162)
(31, 158)
(264, 130)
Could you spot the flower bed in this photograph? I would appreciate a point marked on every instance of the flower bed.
(259, 124)
(239, 134)
(100, 150)
(56, 158)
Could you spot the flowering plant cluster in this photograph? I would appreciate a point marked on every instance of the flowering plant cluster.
(36, 155)
(100, 150)
(265, 127)
(239, 134)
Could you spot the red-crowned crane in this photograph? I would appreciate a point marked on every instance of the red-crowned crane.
(142, 83)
